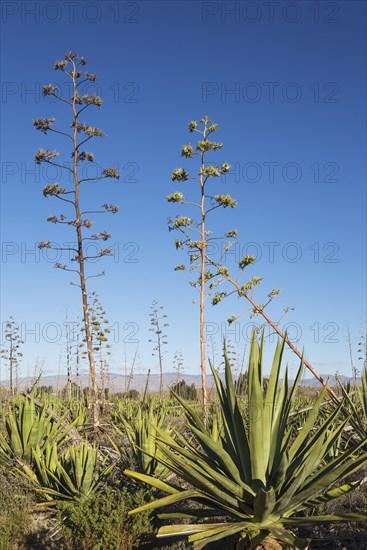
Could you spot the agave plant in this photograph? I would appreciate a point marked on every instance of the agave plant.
(126, 408)
(28, 426)
(79, 413)
(258, 479)
(73, 475)
(141, 432)
(357, 402)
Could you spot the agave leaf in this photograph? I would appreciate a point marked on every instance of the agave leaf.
(264, 504)
(270, 437)
(167, 500)
(217, 533)
(193, 514)
(307, 426)
(320, 482)
(194, 417)
(330, 495)
(198, 479)
(256, 417)
(222, 484)
(179, 530)
(154, 482)
(237, 444)
(301, 459)
(222, 457)
(278, 427)
(6, 452)
(14, 434)
(362, 391)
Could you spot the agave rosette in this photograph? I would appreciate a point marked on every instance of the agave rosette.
(258, 478)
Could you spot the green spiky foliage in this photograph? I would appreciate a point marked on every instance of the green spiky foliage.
(141, 431)
(72, 475)
(28, 426)
(124, 408)
(79, 413)
(356, 400)
(257, 480)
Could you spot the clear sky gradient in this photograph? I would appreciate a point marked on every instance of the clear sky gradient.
(286, 83)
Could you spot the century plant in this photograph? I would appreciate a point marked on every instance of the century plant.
(141, 431)
(81, 132)
(79, 413)
(74, 474)
(257, 479)
(194, 233)
(158, 324)
(28, 426)
(125, 410)
(11, 353)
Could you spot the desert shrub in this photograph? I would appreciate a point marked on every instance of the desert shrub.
(14, 528)
(15, 511)
(102, 521)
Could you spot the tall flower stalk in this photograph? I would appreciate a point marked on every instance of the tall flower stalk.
(79, 135)
(11, 352)
(158, 326)
(195, 234)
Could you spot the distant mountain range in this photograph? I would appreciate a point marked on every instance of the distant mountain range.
(119, 382)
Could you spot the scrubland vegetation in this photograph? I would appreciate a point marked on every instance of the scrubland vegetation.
(268, 469)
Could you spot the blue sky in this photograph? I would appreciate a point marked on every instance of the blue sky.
(285, 82)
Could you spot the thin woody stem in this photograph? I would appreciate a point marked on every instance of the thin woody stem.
(202, 290)
(293, 348)
(88, 335)
(278, 331)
